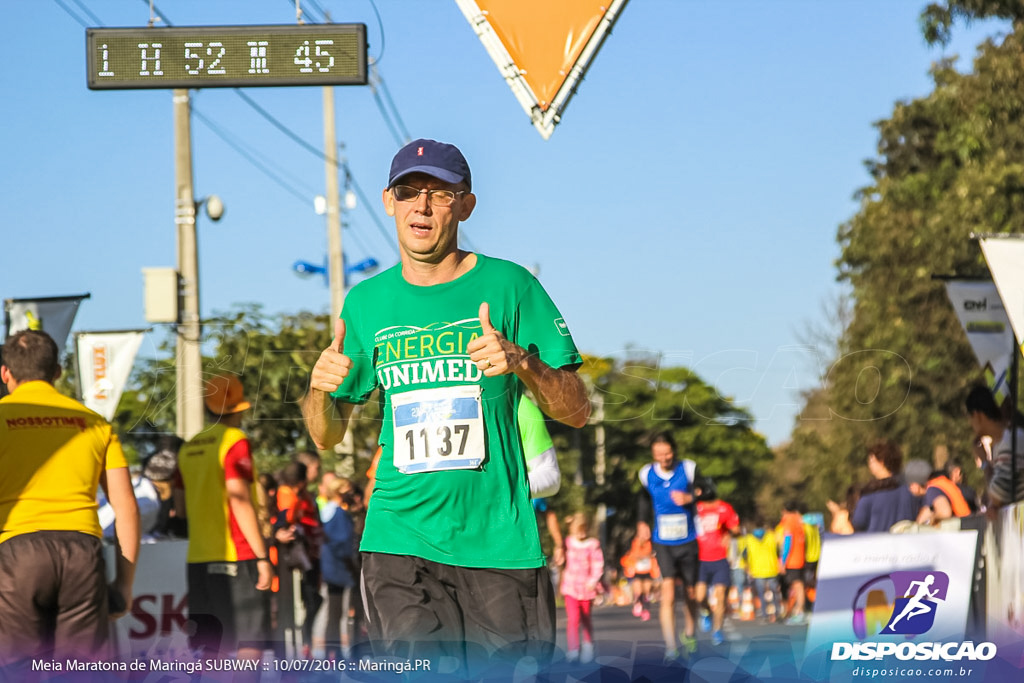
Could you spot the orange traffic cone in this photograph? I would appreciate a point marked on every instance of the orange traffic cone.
(747, 605)
(734, 600)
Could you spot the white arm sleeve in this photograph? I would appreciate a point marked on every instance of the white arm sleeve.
(545, 477)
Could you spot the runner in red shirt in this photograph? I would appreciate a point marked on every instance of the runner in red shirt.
(716, 520)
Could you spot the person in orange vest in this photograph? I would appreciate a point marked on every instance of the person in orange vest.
(641, 568)
(955, 472)
(790, 533)
(942, 500)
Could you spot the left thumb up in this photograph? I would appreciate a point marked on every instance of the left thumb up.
(485, 319)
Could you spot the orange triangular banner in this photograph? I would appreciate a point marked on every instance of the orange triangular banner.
(542, 47)
(544, 38)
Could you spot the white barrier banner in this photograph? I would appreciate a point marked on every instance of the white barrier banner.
(155, 626)
(893, 588)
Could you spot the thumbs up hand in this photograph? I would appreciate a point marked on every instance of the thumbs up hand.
(333, 366)
(491, 351)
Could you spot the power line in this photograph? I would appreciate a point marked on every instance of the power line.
(384, 114)
(71, 14)
(380, 26)
(323, 13)
(320, 155)
(387, 95)
(292, 135)
(363, 198)
(251, 157)
(88, 12)
(386, 105)
(269, 117)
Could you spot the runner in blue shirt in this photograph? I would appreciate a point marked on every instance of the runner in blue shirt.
(670, 484)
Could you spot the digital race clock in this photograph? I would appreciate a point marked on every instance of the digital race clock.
(226, 56)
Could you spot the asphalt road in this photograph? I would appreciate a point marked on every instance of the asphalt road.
(627, 644)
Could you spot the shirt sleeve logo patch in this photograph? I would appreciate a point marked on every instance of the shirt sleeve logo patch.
(562, 328)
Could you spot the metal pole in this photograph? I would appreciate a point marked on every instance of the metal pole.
(189, 362)
(335, 262)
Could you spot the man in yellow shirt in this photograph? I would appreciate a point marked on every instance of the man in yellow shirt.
(54, 453)
(762, 555)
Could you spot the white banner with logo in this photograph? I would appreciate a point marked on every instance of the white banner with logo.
(155, 627)
(105, 361)
(1005, 257)
(53, 315)
(980, 311)
(892, 588)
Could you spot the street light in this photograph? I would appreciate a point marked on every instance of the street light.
(305, 269)
(214, 207)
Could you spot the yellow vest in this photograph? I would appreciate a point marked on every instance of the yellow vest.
(812, 543)
(213, 534)
(762, 556)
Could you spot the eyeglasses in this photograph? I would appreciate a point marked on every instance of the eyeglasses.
(404, 193)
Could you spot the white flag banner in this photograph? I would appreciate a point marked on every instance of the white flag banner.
(1005, 256)
(981, 313)
(53, 315)
(105, 360)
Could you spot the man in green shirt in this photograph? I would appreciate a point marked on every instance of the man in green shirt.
(450, 339)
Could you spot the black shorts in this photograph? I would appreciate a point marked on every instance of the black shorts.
(678, 561)
(53, 598)
(419, 608)
(810, 574)
(224, 607)
(789, 578)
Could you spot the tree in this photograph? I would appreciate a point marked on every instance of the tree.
(938, 18)
(948, 165)
(272, 355)
(642, 397)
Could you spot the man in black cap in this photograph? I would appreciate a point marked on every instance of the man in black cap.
(450, 338)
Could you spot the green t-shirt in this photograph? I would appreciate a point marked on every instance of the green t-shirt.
(410, 342)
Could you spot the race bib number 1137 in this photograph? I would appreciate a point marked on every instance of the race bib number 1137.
(438, 429)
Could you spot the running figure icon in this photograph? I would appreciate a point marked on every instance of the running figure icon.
(914, 606)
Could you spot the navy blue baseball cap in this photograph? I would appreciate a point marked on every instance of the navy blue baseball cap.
(438, 159)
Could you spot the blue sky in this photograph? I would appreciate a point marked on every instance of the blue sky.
(686, 206)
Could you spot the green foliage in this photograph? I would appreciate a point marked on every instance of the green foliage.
(272, 355)
(641, 397)
(938, 18)
(949, 164)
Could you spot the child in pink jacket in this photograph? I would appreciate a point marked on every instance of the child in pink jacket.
(584, 566)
